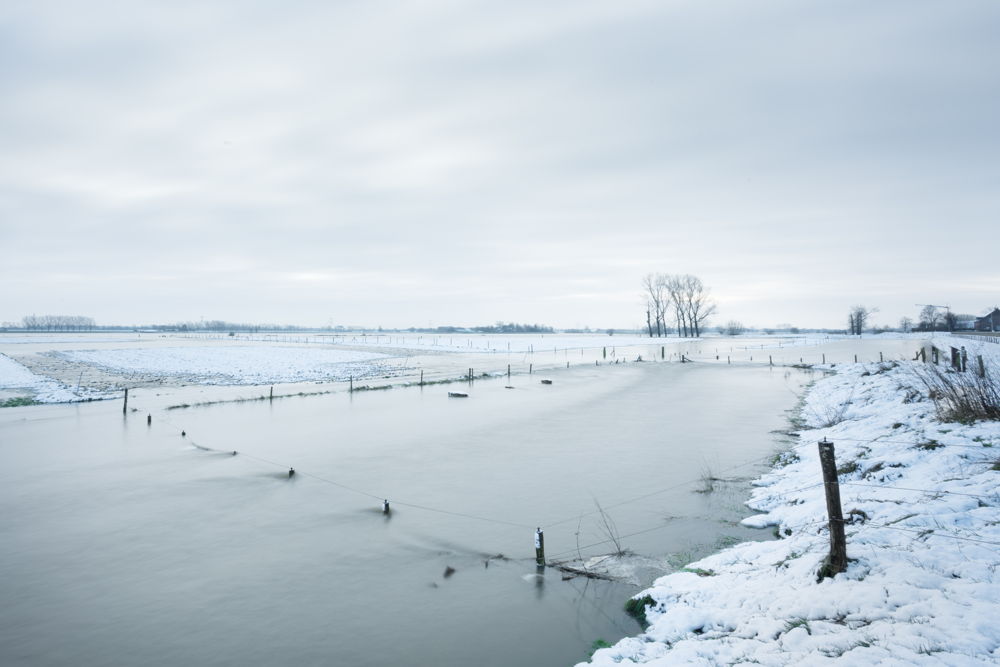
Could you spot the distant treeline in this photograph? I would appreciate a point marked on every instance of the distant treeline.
(81, 323)
(58, 322)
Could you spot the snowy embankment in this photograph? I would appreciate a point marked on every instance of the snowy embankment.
(15, 377)
(236, 365)
(923, 534)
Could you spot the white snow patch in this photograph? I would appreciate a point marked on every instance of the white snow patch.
(14, 376)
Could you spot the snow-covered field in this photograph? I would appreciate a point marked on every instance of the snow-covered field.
(923, 534)
(14, 376)
(235, 365)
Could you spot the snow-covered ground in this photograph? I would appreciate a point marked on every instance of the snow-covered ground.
(14, 376)
(235, 365)
(923, 534)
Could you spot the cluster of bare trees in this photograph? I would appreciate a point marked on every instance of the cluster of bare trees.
(58, 322)
(858, 317)
(684, 298)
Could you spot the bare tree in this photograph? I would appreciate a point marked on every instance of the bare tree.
(930, 316)
(658, 297)
(858, 317)
(906, 324)
(733, 328)
(697, 303)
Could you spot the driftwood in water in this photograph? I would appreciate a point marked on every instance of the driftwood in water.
(457, 394)
(562, 567)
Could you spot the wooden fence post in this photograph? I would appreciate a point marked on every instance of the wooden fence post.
(836, 562)
(539, 548)
(982, 368)
(125, 404)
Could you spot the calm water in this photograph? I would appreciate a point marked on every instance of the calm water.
(124, 544)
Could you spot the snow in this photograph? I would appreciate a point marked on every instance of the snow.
(922, 585)
(14, 376)
(235, 365)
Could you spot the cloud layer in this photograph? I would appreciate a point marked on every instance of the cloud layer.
(446, 162)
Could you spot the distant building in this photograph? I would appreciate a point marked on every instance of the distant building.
(965, 323)
(989, 322)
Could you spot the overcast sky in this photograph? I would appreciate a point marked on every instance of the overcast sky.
(460, 162)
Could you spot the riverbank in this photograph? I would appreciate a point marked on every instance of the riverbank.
(923, 535)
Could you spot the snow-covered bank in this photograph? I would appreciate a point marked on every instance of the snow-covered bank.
(923, 536)
(14, 376)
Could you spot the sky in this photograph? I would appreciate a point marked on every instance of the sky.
(453, 162)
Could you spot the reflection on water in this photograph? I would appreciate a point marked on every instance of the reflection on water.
(127, 544)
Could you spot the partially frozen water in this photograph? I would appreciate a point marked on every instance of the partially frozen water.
(124, 544)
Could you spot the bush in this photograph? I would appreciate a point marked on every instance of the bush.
(962, 397)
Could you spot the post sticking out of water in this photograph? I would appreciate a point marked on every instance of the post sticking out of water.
(855, 358)
(824, 357)
(421, 378)
(539, 548)
(125, 404)
(291, 472)
(508, 372)
(663, 352)
(149, 420)
(385, 506)
(350, 387)
(530, 368)
(270, 396)
(770, 361)
(604, 353)
(728, 360)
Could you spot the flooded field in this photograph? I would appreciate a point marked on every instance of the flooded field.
(127, 542)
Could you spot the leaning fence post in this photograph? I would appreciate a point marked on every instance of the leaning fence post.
(836, 562)
(539, 548)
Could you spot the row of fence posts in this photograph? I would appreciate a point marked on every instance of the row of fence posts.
(835, 563)
(959, 359)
